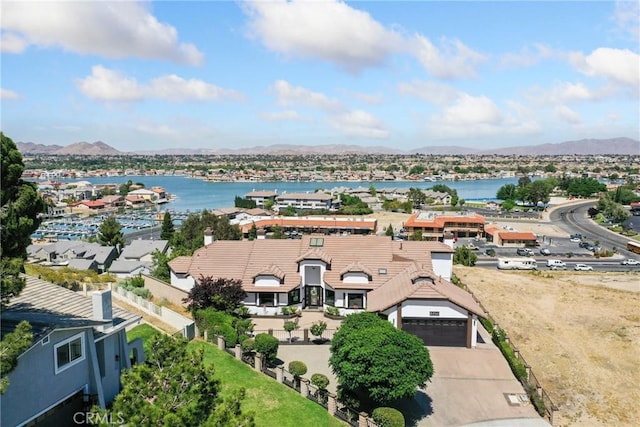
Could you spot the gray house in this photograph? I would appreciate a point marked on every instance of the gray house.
(142, 250)
(79, 350)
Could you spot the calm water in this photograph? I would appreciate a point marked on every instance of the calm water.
(196, 194)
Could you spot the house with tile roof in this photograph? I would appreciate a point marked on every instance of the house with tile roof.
(435, 225)
(78, 353)
(307, 201)
(408, 282)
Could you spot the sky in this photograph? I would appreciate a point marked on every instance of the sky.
(237, 74)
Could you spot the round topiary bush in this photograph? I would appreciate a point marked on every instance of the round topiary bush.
(268, 346)
(388, 417)
(320, 380)
(297, 368)
(248, 344)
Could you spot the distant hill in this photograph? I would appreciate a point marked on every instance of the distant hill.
(98, 148)
(617, 146)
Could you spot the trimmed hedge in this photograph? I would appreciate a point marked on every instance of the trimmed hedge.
(268, 346)
(320, 380)
(388, 417)
(297, 368)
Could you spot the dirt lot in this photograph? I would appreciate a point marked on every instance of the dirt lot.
(579, 332)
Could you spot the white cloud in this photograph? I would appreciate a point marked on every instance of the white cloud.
(627, 18)
(529, 55)
(326, 30)
(453, 60)
(8, 94)
(12, 43)
(619, 65)
(285, 115)
(111, 29)
(432, 92)
(288, 95)
(471, 110)
(360, 123)
(566, 114)
(109, 85)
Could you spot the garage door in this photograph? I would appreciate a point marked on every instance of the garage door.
(443, 332)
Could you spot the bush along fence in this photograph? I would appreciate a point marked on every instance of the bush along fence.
(299, 336)
(302, 385)
(519, 366)
(183, 325)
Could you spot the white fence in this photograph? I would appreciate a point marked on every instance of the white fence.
(170, 317)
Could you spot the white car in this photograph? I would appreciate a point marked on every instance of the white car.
(630, 261)
(575, 240)
(583, 267)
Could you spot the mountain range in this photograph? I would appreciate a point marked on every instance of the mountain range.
(617, 146)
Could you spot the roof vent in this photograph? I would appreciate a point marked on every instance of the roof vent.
(316, 242)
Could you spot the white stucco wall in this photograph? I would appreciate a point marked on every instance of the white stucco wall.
(184, 283)
(442, 264)
(355, 278)
(267, 280)
(421, 309)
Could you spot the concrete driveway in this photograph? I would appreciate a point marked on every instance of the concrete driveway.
(469, 386)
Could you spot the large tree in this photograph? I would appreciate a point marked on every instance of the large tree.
(168, 229)
(376, 362)
(21, 203)
(191, 234)
(19, 218)
(221, 294)
(174, 387)
(110, 234)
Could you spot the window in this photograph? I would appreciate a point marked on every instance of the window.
(434, 313)
(356, 301)
(69, 352)
(382, 271)
(294, 296)
(267, 299)
(330, 297)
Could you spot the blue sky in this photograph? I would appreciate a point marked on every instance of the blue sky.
(223, 74)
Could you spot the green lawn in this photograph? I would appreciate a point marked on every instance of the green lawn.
(273, 404)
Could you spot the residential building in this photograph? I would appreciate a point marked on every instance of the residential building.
(312, 224)
(260, 197)
(306, 201)
(142, 250)
(407, 282)
(79, 351)
(434, 225)
(510, 238)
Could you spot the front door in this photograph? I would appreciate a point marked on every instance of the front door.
(313, 296)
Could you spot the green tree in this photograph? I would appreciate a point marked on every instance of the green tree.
(508, 205)
(13, 345)
(124, 189)
(109, 233)
(21, 203)
(277, 232)
(537, 192)
(318, 328)
(176, 388)
(253, 232)
(464, 256)
(550, 167)
(389, 231)
(290, 326)
(160, 269)
(508, 192)
(268, 346)
(191, 234)
(269, 204)
(416, 197)
(417, 234)
(168, 230)
(377, 362)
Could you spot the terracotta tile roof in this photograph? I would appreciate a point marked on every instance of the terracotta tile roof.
(305, 196)
(311, 222)
(315, 253)
(272, 270)
(405, 286)
(356, 267)
(180, 264)
(511, 235)
(440, 220)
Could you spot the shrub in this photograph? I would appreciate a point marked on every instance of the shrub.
(320, 380)
(333, 311)
(268, 346)
(290, 326)
(248, 345)
(297, 368)
(388, 417)
(318, 328)
(136, 281)
(218, 323)
(487, 325)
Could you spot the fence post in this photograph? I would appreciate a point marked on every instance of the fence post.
(331, 404)
(280, 374)
(258, 362)
(206, 335)
(238, 351)
(221, 343)
(270, 332)
(362, 419)
(84, 288)
(304, 387)
(306, 335)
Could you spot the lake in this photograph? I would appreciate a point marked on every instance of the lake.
(195, 194)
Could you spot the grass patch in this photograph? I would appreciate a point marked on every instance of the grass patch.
(273, 404)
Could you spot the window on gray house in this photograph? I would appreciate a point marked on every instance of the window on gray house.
(329, 297)
(293, 296)
(356, 301)
(267, 299)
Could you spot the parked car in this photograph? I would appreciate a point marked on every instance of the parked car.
(584, 245)
(545, 251)
(524, 252)
(583, 267)
(576, 240)
(630, 261)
